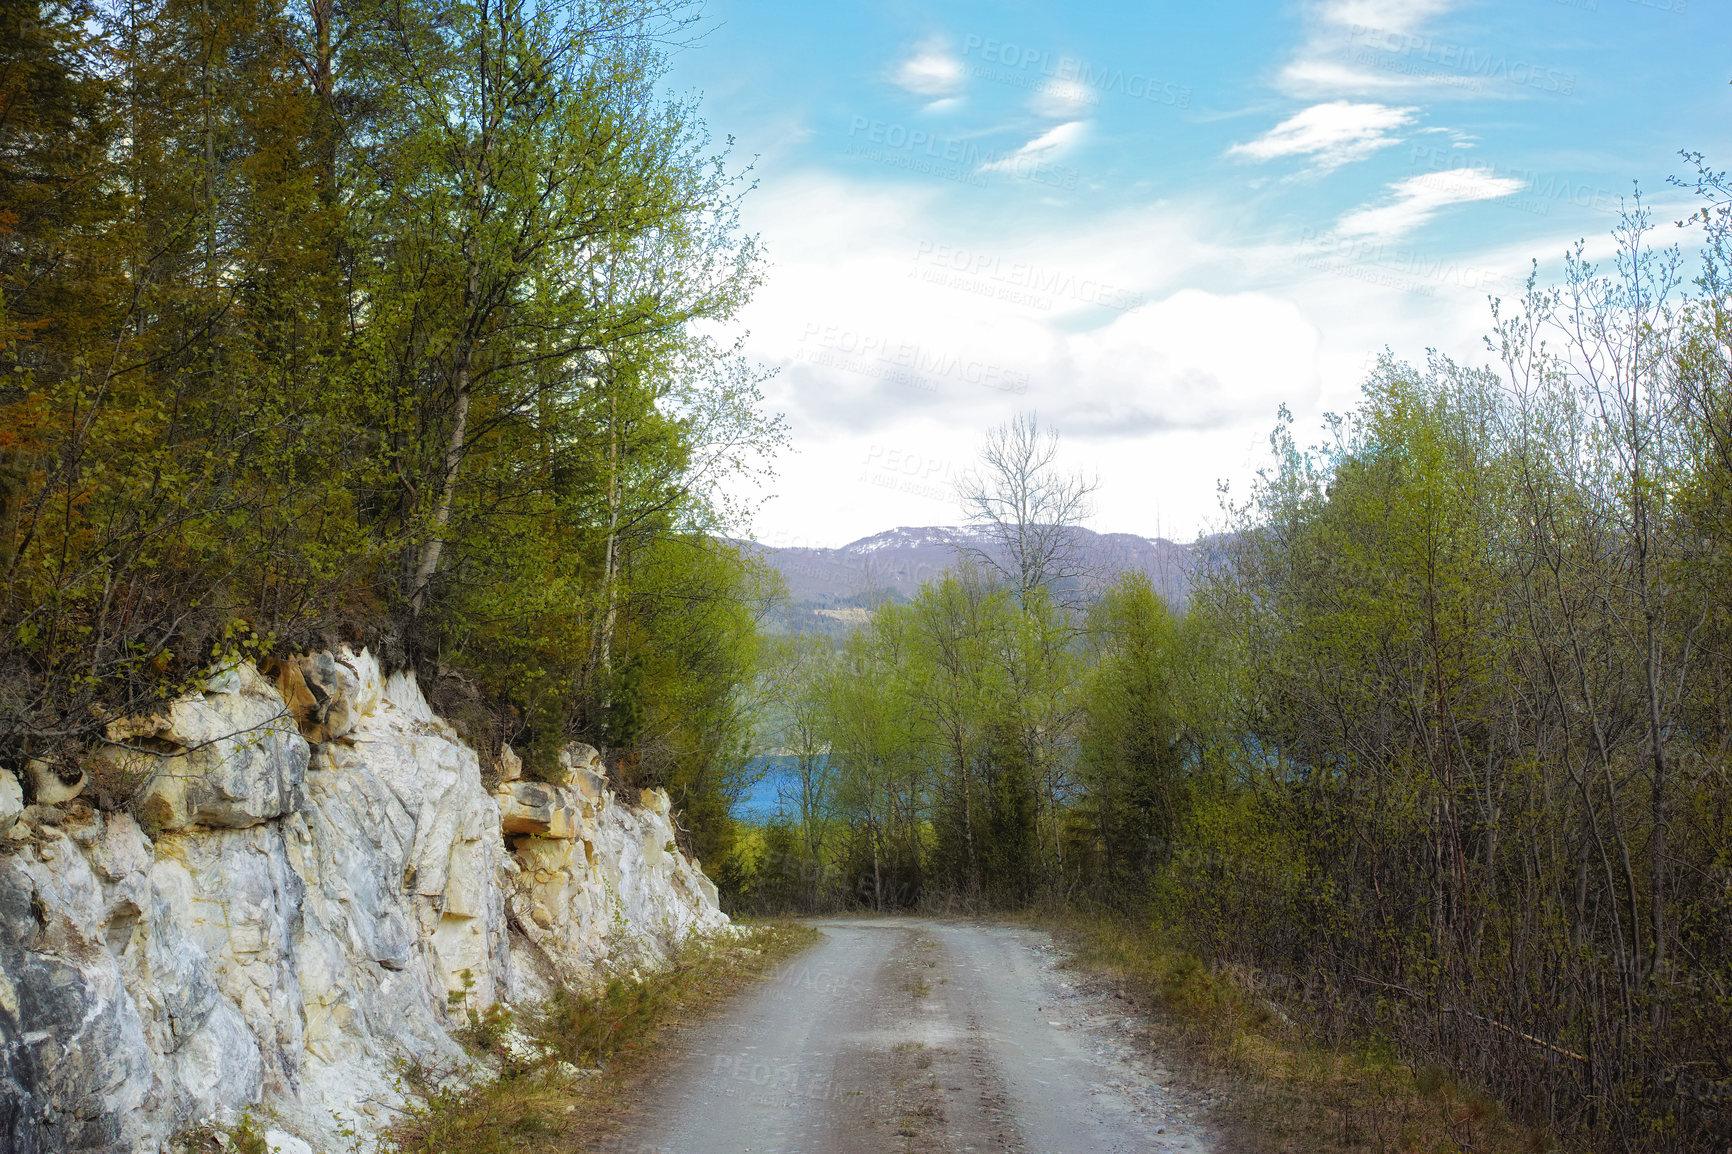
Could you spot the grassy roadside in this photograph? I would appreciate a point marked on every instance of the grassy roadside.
(563, 1069)
(1276, 1088)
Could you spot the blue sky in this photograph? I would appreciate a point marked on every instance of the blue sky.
(1154, 223)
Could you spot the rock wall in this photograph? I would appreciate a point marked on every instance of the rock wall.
(311, 882)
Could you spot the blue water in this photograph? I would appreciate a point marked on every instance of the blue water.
(762, 801)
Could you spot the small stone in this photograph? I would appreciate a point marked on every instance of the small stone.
(51, 784)
(11, 798)
(20, 831)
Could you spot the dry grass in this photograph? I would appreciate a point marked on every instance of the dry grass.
(588, 1049)
(1273, 1087)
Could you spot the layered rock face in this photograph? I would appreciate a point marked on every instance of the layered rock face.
(311, 882)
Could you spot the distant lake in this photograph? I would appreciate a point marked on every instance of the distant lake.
(763, 801)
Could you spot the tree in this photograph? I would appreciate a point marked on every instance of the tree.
(1027, 509)
(797, 669)
(1135, 743)
(574, 221)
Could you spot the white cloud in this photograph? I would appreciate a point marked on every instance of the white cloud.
(1335, 134)
(1041, 149)
(903, 330)
(1391, 15)
(932, 70)
(1186, 363)
(1365, 48)
(1419, 198)
(1457, 138)
(1320, 71)
(1064, 99)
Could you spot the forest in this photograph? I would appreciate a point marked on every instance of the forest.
(412, 325)
(396, 324)
(1440, 740)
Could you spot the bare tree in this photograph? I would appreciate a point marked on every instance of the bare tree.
(1030, 510)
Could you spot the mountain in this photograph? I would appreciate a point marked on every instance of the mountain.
(831, 590)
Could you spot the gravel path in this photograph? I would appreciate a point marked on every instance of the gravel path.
(906, 1034)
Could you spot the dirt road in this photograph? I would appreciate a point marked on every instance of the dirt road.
(905, 1034)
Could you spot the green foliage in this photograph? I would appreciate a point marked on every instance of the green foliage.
(485, 1028)
(695, 604)
(246, 1136)
(992, 748)
(1137, 752)
(393, 324)
(1455, 799)
(590, 1027)
(769, 870)
(1441, 741)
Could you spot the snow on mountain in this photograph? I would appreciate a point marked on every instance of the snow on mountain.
(905, 537)
(892, 565)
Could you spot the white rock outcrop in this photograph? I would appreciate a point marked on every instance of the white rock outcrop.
(277, 920)
(597, 880)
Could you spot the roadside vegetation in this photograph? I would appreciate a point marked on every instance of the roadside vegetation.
(1438, 749)
(561, 1071)
(1278, 1077)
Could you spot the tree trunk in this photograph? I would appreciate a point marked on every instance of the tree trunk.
(877, 875)
(434, 546)
(609, 582)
